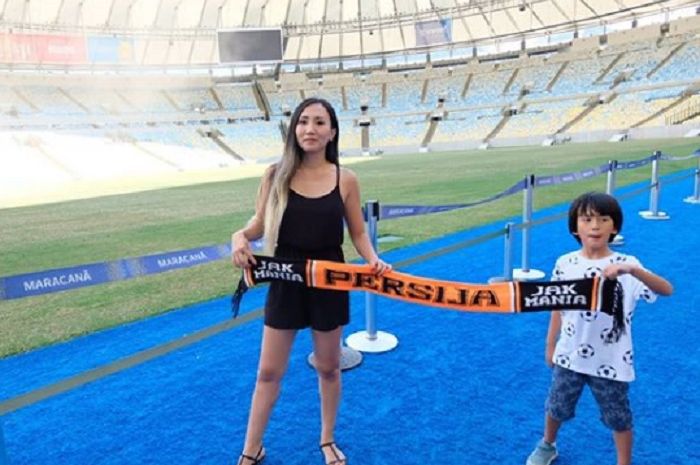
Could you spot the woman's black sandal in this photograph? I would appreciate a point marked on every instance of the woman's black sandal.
(259, 457)
(338, 460)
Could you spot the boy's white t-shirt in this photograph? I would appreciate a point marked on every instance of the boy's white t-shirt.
(581, 346)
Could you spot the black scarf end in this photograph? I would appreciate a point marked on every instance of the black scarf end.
(237, 297)
(612, 292)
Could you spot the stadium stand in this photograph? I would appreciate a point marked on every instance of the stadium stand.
(542, 118)
(519, 89)
(626, 110)
(360, 93)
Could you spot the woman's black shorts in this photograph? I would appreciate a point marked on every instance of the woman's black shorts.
(295, 306)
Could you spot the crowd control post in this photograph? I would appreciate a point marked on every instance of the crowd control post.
(372, 340)
(525, 273)
(508, 238)
(653, 213)
(349, 358)
(612, 177)
(695, 198)
(610, 190)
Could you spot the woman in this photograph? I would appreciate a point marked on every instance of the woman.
(306, 187)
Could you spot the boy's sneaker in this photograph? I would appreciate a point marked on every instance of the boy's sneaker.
(544, 454)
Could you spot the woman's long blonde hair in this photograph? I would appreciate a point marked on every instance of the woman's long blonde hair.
(287, 166)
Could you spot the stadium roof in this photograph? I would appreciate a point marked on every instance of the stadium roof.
(297, 15)
(317, 29)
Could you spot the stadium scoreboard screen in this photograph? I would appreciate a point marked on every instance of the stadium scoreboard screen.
(250, 45)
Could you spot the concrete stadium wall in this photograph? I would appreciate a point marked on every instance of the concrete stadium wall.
(594, 136)
(586, 44)
(641, 34)
(685, 25)
(660, 132)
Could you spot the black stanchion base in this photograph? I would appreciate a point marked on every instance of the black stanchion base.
(650, 215)
(349, 358)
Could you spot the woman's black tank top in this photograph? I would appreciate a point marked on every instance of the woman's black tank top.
(313, 223)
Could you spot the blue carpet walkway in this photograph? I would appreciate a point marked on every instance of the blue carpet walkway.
(459, 389)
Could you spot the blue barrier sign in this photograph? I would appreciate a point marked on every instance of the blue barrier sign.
(630, 165)
(63, 279)
(44, 282)
(400, 211)
(159, 263)
(570, 177)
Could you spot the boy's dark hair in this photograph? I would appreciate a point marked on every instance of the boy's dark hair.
(595, 202)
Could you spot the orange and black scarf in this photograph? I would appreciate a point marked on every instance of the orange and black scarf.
(593, 294)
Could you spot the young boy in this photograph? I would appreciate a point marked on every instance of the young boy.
(587, 350)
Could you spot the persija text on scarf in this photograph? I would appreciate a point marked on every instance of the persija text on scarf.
(592, 294)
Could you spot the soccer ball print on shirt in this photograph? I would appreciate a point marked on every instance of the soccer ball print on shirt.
(586, 342)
